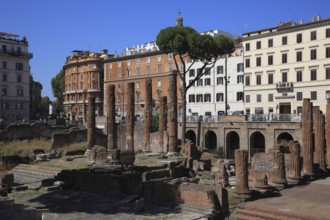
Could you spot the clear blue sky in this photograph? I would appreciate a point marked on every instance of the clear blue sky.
(56, 27)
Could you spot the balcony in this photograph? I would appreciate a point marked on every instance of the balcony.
(284, 87)
(17, 53)
(93, 90)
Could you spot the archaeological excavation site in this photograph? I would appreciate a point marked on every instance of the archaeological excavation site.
(228, 168)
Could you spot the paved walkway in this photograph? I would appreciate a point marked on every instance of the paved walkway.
(312, 199)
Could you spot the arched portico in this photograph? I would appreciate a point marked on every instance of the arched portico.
(257, 143)
(232, 143)
(211, 140)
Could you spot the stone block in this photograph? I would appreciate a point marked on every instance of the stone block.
(98, 154)
(114, 154)
(127, 157)
(189, 150)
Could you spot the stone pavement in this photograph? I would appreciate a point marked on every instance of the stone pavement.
(70, 204)
(312, 199)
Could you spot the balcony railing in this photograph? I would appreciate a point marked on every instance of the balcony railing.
(284, 86)
(274, 117)
(93, 90)
(17, 53)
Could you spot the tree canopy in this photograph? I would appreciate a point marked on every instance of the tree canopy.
(58, 89)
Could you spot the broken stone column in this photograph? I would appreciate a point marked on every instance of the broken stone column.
(111, 119)
(111, 124)
(130, 117)
(319, 140)
(172, 113)
(91, 123)
(328, 133)
(294, 175)
(147, 114)
(162, 122)
(242, 190)
(279, 177)
(307, 140)
(224, 175)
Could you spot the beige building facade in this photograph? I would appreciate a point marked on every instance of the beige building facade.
(284, 65)
(14, 77)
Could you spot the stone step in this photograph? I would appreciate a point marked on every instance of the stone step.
(271, 214)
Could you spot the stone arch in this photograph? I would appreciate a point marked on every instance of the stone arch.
(232, 143)
(284, 138)
(191, 135)
(257, 143)
(211, 140)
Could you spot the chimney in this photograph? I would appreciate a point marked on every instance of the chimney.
(318, 18)
(301, 21)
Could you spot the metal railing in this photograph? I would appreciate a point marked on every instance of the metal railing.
(274, 117)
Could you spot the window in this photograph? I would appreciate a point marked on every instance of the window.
(207, 97)
(199, 98)
(19, 78)
(219, 97)
(19, 66)
(299, 56)
(299, 96)
(207, 81)
(159, 58)
(313, 95)
(192, 73)
(199, 71)
(259, 110)
(4, 77)
(190, 81)
(270, 42)
(219, 80)
(110, 75)
(247, 98)
(159, 83)
(4, 92)
(258, 79)
(258, 45)
(219, 69)
(239, 96)
(299, 38)
(207, 71)
(200, 82)
(327, 73)
(270, 60)
(247, 62)
(313, 75)
(137, 85)
(258, 97)
(4, 48)
(284, 77)
(299, 76)
(138, 71)
(240, 67)
(159, 68)
(138, 96)
(19, 92)
(170, 56)
(247, 80)
(119, 65)
(313, 35)
(313, 54)
(128, 63)
(159, 94)
(284, 58)
(4, 64)
(247, 46)
(284, 40)
(270, 97)
(148, 59)
(119, 75)
(191, 98)
(258, 61)
(170, 67)
(270, 78)
(148, 70)
(327, 52)
(327, 33)
(240, 79)
(110, 66)
(138, 61)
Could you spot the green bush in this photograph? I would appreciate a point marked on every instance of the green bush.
(155, 123)
(219, 153)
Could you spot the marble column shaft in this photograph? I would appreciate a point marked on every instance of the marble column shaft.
(162, 120)
(172, 113)
(91, 123)
(147, 114)
(320, 139)
(294, 166)
(111, 119)
(279, 176)
(242, 173)
(130, 117)
(307, 140)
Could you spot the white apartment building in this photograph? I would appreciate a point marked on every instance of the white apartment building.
(284, 65)
(14, 77)
(207, 96)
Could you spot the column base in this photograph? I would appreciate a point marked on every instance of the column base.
(280, 184)
(294, 180)
(243, 196)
